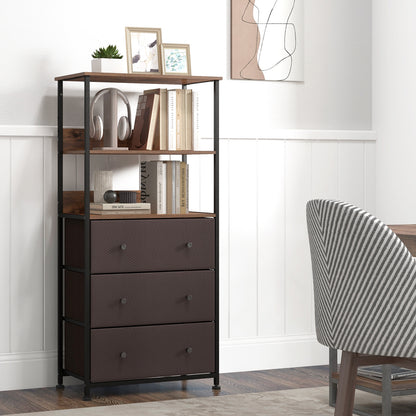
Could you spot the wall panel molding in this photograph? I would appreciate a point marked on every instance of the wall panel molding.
(266, 299)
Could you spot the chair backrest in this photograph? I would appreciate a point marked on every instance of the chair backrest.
(364, 281)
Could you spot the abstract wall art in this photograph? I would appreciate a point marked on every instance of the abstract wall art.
(267, 40)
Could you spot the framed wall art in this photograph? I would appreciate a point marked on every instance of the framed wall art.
(267, 40)
(176, 59)
(143, 50)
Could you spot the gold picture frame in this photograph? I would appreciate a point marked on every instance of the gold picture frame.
(143, 50)
(176, 59)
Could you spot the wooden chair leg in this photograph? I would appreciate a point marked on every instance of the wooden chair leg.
(346, 385)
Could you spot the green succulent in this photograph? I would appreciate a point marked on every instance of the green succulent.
(110, 51)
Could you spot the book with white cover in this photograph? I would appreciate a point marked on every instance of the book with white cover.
(153, 185)
(119, 206)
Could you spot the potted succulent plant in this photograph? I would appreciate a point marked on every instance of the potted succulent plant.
(107, 60)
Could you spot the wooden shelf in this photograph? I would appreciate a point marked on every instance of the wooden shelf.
(73, 144)
(137, 78)
(151, 216)
(141, 152)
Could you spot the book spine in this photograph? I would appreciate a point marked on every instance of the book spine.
(119, 206)
(154, 112)
(172, 120)
(177, 187)
(195, 121)
(184, 188)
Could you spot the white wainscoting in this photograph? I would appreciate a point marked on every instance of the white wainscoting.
(266, 287)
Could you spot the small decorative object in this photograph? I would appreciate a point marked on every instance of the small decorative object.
(110, 196)
(143, 50)
(107, 60)
(107, 128)
(176, 59)
(126, 196)
(103, 181)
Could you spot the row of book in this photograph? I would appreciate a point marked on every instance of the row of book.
(166, 120)
(165, 184)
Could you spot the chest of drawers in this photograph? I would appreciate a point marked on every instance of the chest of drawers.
(151, 303)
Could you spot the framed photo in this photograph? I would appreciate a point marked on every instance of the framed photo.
(143, 50)
(176, 59)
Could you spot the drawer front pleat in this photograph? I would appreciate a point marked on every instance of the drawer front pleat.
(152, 298)
(151, 351)
(119, 246)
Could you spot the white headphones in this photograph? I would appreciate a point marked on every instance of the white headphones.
(96, 123)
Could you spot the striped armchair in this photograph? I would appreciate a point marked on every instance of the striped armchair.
(365, 291)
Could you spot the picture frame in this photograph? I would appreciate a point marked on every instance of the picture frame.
(143, 50)
(176, 59)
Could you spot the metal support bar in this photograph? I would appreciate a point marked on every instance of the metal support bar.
(60, 234)
(87, 286)
(217, 228)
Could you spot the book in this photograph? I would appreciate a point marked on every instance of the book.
(161, 131)
(180, 119)
(171, 186)
(145, 122)
(188, 120)
(184, 204)
(153, 185)
(172, 120)
(375, 372)
(120, 211)
(119, 206)
(195, 121)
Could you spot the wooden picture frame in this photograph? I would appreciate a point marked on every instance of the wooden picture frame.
(143, 50)
(176, 59)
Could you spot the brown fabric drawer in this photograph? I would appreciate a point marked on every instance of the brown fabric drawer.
(152, 245)
(151, 351)
(152, 298)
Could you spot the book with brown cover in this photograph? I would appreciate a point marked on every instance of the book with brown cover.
(145, 123)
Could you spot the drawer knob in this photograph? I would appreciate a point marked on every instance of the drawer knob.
(123, 246)
(189, 244)
(123, 301)
(189, 350)
(123, 355)
(188, 297)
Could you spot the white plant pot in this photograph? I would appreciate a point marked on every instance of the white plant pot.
(108, 65)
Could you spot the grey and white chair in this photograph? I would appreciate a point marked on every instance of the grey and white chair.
(364, 289)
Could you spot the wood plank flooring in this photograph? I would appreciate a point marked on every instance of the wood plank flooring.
(35, 400)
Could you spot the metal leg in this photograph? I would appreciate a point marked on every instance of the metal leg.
(216, 385)
(87, 393)
(386, 391)
(333, 368)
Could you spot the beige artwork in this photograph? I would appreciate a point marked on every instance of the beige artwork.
(267, 40)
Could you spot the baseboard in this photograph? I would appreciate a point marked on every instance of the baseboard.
(39, 369)
(29, 370)
(269, 353)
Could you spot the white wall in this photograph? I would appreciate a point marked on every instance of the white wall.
(282, 143)
(394, 92)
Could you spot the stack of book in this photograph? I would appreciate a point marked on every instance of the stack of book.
(137, 208)
(166, 120)
(164, 184)
(375, 372)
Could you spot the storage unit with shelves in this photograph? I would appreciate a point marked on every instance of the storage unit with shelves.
(137, 294)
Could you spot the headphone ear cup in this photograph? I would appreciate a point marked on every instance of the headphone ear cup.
(123, 128)
(98, 127)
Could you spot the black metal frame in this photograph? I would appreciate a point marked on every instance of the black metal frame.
(86, 270)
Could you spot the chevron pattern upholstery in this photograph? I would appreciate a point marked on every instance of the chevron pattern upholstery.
(364, 282)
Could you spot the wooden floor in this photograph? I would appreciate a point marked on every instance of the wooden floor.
(35, 400)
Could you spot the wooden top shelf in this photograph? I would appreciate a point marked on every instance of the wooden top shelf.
(137, 78)
(142, 152)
